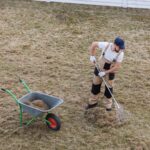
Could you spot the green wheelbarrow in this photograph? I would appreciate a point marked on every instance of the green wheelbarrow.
(51, 120)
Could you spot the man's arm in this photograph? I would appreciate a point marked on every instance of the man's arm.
(92, 49)
(114, 69)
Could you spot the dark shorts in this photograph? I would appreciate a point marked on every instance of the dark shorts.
(106, 67)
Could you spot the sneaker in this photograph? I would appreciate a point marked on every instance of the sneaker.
(108, 109)
(88, 106)
(109, 104)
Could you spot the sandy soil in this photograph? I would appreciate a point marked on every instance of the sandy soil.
(46, 44)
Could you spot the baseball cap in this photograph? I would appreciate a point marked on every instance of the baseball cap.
(119, 42)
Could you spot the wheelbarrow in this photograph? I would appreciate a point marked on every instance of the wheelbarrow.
(51, 120)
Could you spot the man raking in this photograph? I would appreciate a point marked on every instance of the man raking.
(108, 63)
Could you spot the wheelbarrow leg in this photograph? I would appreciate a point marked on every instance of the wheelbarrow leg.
(20, 115)
(30, 121)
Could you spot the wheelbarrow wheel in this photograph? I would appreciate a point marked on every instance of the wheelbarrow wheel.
(53, 122)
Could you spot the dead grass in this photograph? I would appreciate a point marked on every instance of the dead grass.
(46, 44)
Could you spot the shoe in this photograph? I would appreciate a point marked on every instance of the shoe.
(88, 106)
(108, 104)
(108, 109)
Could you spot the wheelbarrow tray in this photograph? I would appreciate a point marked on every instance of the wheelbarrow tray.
(51, 102)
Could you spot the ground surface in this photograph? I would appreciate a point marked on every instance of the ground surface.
(46, 44)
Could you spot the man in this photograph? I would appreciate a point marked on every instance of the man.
(109, 63)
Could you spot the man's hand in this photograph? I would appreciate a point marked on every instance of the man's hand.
(93, 59)
(102, 74)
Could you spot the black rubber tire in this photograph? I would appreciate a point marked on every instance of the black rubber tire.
(55, 122)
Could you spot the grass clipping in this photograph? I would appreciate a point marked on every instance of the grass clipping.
(102, 118)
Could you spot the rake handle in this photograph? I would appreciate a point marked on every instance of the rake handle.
(97, 67)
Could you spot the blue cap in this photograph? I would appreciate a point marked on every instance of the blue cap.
(119, 42)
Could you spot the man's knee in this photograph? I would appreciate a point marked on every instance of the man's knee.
(107, 93)
(95, 89)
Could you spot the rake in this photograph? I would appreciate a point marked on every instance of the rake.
(119, 109)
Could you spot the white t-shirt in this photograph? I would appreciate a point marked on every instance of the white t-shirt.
(110, 54)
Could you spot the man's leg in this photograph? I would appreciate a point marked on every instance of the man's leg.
(109, 79)
(95, 90)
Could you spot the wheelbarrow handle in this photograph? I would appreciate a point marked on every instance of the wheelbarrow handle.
(25, 85)
(9, 92)
(20, 80)
(4, 90)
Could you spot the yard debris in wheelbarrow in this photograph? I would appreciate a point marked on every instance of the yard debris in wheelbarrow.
(37, 104)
